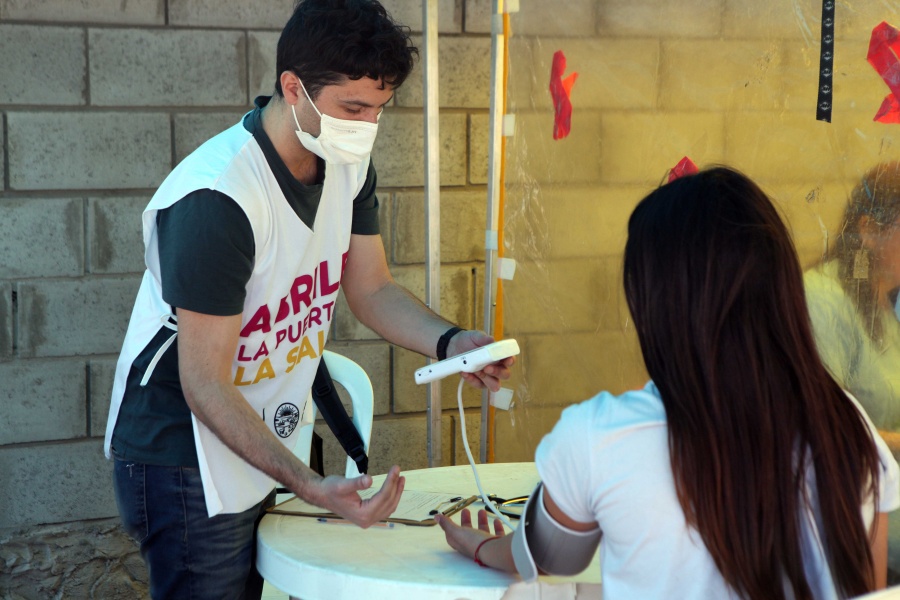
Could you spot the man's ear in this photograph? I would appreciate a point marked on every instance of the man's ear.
(290, 87)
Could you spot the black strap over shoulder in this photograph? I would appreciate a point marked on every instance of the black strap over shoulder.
(335, 415)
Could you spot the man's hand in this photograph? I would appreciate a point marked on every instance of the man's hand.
(492, 375)
(339, 495)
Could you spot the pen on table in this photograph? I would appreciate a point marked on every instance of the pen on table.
(384, 524)
(458, 500)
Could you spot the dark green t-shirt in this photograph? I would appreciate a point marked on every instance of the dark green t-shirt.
(206, 253)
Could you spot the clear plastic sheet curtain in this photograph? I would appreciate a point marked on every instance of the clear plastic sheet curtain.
(721, 82)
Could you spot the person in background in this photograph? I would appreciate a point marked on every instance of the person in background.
(852, 295)
(247, 243)
(742, 469)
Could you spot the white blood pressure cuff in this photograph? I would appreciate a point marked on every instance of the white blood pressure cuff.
(540, 542)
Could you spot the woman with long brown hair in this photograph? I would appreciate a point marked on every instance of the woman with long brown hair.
(742, 469)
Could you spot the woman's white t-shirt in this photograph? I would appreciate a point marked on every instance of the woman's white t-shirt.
(607, 460)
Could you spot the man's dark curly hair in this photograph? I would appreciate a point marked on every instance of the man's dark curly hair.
(327, 40)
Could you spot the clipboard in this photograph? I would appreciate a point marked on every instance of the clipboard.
(416, 507)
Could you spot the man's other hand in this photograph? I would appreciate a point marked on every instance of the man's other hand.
(339, 495)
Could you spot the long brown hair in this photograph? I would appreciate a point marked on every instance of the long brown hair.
(715, 289)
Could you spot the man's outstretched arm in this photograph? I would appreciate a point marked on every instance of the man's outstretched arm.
(206, 348)
(394, 313)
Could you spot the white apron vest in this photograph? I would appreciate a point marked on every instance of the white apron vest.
(287, 312)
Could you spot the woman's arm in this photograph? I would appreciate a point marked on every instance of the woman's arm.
(497, 553)
(880, 549)
(494, 550)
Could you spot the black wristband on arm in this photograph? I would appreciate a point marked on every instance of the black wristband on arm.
(444, 341)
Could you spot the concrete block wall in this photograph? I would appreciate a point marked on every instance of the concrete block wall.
(99, 100)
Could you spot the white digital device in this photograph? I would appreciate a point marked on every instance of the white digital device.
(468, 362)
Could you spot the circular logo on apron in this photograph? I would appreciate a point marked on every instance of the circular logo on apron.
(286, 418)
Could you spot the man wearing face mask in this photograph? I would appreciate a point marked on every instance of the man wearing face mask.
(247, 243)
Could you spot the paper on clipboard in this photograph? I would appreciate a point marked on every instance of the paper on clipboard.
(416, 507)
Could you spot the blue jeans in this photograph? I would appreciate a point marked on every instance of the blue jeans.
(189, 555)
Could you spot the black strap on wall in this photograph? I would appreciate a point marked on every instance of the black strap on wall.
(826, 63)
(335, 415)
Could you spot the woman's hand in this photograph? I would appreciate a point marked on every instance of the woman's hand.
(465, 539)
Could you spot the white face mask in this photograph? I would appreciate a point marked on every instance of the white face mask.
(340, 141)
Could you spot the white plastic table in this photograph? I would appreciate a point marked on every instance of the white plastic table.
(318, 561)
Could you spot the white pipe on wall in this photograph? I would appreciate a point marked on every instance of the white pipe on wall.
(432, 210)
(493, 194)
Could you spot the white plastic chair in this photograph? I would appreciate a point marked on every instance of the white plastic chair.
(354, 379)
